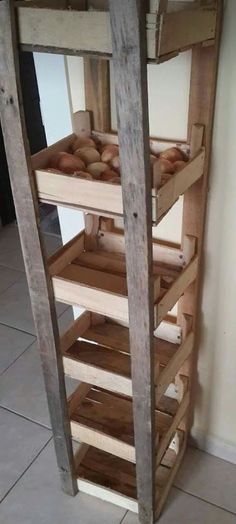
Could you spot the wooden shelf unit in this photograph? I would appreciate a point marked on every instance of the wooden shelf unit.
(135, 362)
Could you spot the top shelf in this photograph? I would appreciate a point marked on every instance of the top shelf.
(78, 32)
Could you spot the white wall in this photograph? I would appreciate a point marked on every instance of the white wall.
(215, 411)
(215, 420)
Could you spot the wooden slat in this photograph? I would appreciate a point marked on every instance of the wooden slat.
(97, 92)
(176, 290)
(157, 144)
(17, 149)
(89, 32)
(185, 28)
(76, 330)
(162, 252)
(171, 473)
(77, 397)
(168, 435)
(78, 192)
(179, 183)
(167, 375)
(201, 109)
(68, 289)
(129, 57)
(64, 255)
(47, 30)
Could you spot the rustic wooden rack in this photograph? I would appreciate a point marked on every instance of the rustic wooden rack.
(132, 410)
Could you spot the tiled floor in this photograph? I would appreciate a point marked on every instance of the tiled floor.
(204, 491)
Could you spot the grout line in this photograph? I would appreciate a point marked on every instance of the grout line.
(22, 271)
(17, 358)
(15, 281)
(26, 418)
(19, 329)
(123, 518)
(205, 500)
(29, 332)
(23, 473)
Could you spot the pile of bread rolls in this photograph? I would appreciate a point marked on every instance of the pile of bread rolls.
(90, 159)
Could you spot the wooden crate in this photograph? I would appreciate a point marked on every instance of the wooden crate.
(96, 280)
(105, 198)
(96, 351)
(113, 479)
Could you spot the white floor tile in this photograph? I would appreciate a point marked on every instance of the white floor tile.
(15, 307)
(20, 443)
(182, 508)
(209, 478)
(22, 387)
(12, 344)
(10, 248)
(8, 277)
(37, 499)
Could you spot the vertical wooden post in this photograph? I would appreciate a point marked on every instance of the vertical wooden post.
(130, 70)
(42, 300)
(97, 92)
(201, 111)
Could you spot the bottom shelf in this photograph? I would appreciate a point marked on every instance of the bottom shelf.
(113, 479)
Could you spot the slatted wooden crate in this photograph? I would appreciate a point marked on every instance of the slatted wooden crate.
(102, 197)
(96, 351)
(96, 279)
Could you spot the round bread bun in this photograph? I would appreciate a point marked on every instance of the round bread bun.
(68, 163)
(88, 154)
(97, 168)
(82, 142)
(172, 154)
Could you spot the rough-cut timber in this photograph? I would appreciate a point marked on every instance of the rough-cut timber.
(42, 300)
(129, 58)
(201, 109)
(97, 92)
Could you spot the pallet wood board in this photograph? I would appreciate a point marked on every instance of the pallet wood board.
(27, 211)
(46, 30)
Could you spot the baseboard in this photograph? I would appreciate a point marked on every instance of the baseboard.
(213, 445)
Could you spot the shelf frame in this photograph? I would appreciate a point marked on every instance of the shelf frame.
(40, 285)
(132, 40)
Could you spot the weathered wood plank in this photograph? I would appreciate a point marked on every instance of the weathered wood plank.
(129, 56)
(89, 31)
(182, 29)
(201, 110)
(97, 92)
(42, 300)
